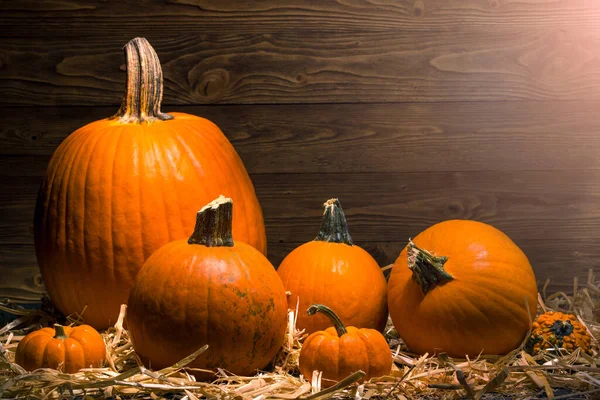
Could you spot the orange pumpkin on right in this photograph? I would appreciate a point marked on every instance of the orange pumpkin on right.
(464, 288)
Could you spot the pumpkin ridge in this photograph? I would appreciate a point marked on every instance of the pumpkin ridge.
(111, 245)
(166, 151)
(366, 365)
(84, 221)
(159, 164)
(40, 340)
(499, 294)
(82, 362)
(510, 299)
(63, 214)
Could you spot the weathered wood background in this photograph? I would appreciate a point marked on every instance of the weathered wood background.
(411, 112)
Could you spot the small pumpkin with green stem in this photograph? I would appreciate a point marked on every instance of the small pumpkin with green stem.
(62, 347)
(332, 270)
(339, 351)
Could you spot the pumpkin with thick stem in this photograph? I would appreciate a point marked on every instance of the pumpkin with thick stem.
(65, 348)
(332, 270)
(119, 188)
(210, 290)
(554, 329)
(339, 351)
(464, 288)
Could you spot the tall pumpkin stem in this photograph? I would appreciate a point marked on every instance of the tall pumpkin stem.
(328, 312)
(59, 332)
(214, 224)
(428, 270)
(143, 95)
(334, 228)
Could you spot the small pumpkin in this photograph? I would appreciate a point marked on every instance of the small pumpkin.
(208, 290)
(332, 270)
(462, 287)
(338, 351)
(119, 188)
(62, 347)
(557, 329)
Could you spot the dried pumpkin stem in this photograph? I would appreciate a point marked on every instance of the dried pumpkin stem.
(428, 270)
(214, 224)
(334, 228)
(143, 95)
(59, 332)
(328, 312)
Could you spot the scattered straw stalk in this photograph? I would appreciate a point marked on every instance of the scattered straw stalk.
(517, 374)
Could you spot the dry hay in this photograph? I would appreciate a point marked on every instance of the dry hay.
(517, 374)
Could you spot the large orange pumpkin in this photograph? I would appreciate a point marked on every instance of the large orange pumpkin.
(119, 188)
(208, 290)
(464, 288)
(333, 270)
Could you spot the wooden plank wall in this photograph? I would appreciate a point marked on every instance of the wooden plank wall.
(409, 111)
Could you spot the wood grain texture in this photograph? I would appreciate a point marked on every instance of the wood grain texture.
(503, 136)
(76, 18)
(21, 278)
(430, 66)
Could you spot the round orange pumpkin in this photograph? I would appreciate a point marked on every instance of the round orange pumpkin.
(464, 288)
(332, 270)
(208, 290)
(119, 188)
(65, 348)
(339, 351)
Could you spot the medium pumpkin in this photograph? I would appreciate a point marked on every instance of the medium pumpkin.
(119, 188)
(65, 348)
(208, 290)
(338, 351)
(332, 270)
(464, 288)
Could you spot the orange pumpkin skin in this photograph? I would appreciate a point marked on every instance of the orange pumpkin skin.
(482, 309)
(81, 347)
(188, 295)
(109, 179)
(338, 356)
(341, 275)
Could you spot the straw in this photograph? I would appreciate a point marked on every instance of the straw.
(517, 374)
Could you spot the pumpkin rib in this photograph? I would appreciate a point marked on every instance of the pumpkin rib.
(113, 229)
(84, 221)
(35, 342)
(511, 299)
(78, 360)
(63, 214)
(54, 188)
